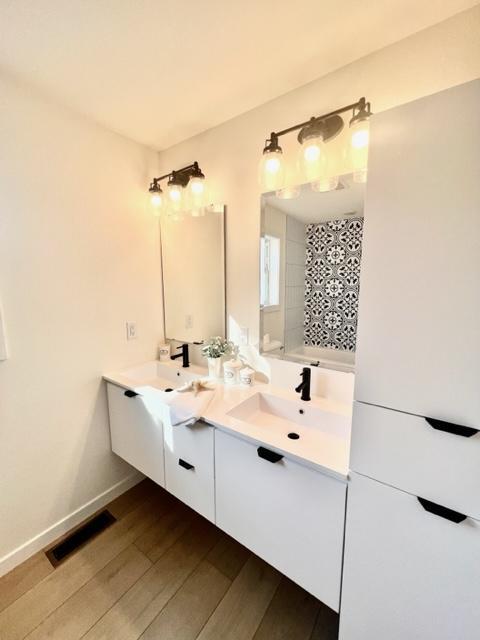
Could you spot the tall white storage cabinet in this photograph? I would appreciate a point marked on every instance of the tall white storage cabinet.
(412, 545)
(419, 314)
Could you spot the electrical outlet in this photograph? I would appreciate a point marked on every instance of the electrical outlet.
(189, 321)
(131, 330)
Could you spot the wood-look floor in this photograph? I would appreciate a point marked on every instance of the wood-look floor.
(161, 572)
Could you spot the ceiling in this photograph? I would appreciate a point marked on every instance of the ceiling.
(160, 72)
(311, 206)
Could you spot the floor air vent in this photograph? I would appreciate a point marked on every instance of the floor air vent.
(79, 537)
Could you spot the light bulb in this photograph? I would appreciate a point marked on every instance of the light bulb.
(312, 158)
(272, 170)
(325, 184)
(157, 201)
(359, 137)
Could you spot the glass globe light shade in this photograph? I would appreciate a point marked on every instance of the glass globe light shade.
(196, 193)
(272, 171)
(359, 138)
(312, 159)
(175, 197)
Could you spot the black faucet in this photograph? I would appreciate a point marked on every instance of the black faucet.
(304, 386)
(183, 355)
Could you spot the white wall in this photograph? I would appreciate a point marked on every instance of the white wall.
(429, 61)
(79, 255)
(295, 283)
(273, 319)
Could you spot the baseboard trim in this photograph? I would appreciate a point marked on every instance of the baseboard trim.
(43, 539)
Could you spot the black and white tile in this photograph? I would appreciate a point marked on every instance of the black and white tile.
(332, 283)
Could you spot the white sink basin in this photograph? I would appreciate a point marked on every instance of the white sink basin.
(156, 374)
(264, 410)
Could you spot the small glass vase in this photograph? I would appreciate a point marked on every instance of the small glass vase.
(215, 368)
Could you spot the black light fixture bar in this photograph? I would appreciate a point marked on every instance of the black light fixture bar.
(361, 106)
(179, 176)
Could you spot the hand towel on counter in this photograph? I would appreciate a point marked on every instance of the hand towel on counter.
(189, 403)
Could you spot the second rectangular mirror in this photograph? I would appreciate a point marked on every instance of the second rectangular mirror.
(310, 253)
(193, 264)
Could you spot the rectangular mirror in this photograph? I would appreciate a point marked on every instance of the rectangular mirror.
(193, 268)
(310, 253)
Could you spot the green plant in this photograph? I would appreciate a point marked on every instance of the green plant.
(216, 347)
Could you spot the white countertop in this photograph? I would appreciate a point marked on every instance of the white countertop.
(326, 448)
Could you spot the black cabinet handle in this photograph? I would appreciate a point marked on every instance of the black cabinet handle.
(130, 394)
(266, 454)
(185, 465)
(443, 512)
(449, 427)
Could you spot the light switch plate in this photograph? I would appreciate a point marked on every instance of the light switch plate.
(243, 335)
(131, 330)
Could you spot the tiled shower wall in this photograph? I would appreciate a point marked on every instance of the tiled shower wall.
(332, 283)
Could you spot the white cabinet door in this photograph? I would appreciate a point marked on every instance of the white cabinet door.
(189, 466)
(408, 574)
(136, 432)
(419, 314)
(290, 515)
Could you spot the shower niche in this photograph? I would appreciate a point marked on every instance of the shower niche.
(310, 257)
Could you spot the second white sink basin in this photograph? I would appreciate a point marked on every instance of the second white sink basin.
(292, 417)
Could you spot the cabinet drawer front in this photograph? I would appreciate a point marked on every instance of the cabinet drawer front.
(408, 574)
(288, 514)
(406, 452)
(189, 466)
(136, 432)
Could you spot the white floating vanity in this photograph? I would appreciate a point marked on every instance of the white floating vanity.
(267, 468)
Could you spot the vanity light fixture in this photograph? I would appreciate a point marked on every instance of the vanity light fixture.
(313, 161)
(185, 191)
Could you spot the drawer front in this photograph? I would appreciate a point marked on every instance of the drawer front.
(288, 514)
(405, 451)
(189, 466)
(408, 574)
(136, 433)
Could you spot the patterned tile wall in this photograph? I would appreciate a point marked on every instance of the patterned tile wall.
(332, 283)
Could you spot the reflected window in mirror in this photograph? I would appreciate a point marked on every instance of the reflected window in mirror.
(269, 271)
(319, 274)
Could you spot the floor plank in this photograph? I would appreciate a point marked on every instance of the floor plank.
(87, 605)
(326, 625)
(239, 614)
(141, 604)
(291, 614)
(163, 533)
(190, 608)
(28, 611)
(133, 497)
(228, 556)
(21, 579)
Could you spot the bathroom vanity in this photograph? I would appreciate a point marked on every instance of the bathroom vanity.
(267, 468)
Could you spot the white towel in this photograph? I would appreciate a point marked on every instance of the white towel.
(186, 407)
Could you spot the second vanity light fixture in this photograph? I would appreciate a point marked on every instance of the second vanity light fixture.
(185, 192)
(313, 158)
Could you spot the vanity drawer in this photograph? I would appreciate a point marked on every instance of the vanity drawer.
(136, 432)
(408, 574)
(189, 466)
(405, 451)
(290, 515)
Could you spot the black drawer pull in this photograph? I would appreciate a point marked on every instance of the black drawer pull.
(130, 394)
(266, 454)
(449, 427)
(185, 465)
(443, 512)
